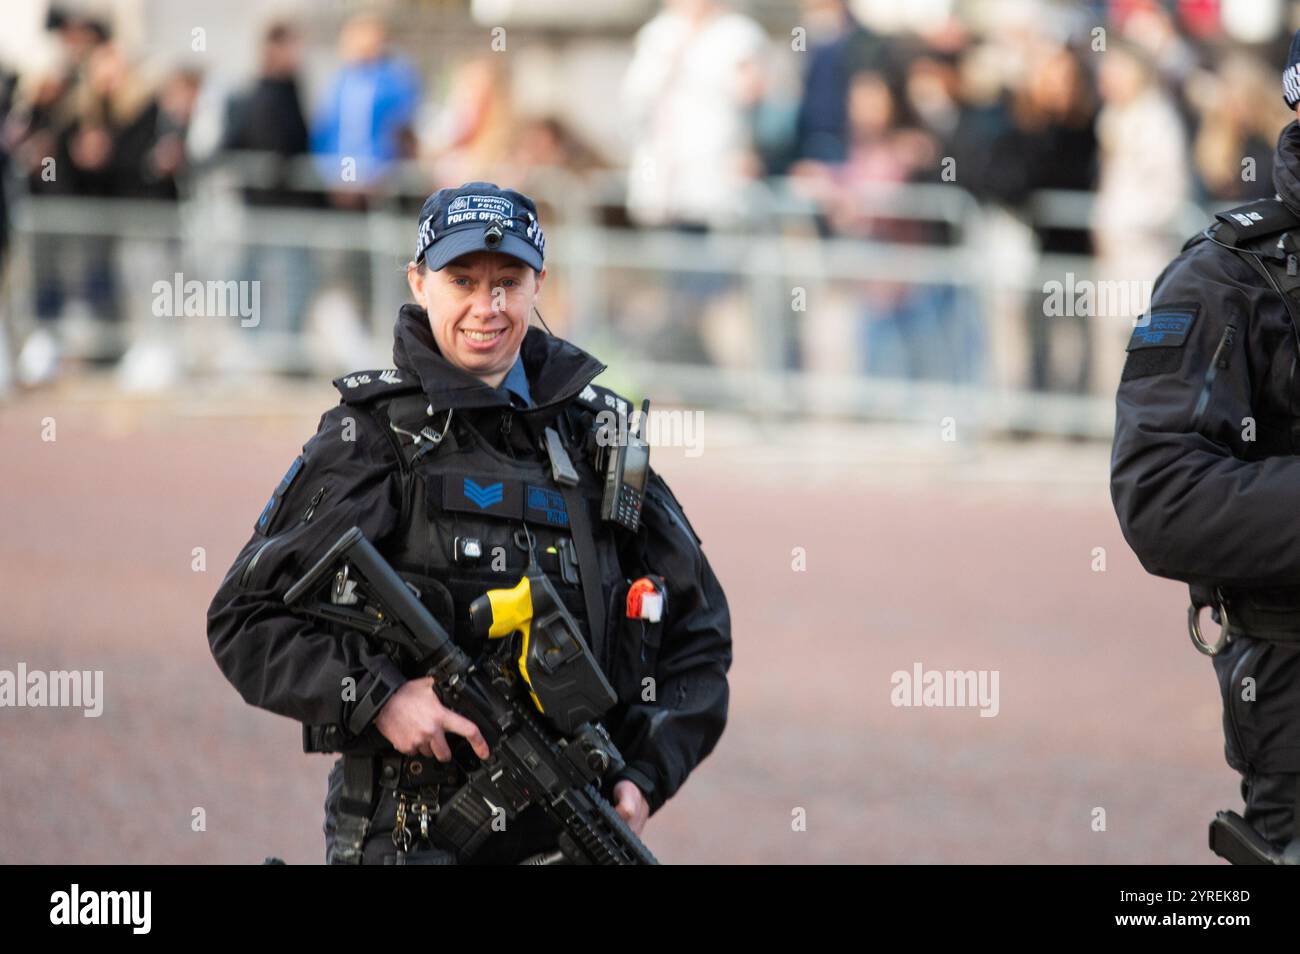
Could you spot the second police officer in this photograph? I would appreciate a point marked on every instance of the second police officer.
(1205, 480)
(477, 450)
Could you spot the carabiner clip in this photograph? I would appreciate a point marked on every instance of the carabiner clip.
(1194, 625)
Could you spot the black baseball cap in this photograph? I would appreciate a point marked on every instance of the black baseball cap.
(1291, 75)
(479, 217)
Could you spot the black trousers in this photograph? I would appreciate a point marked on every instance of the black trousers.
(1260, 684)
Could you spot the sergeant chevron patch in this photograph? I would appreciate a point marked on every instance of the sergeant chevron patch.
(502, 498)
(484, 497)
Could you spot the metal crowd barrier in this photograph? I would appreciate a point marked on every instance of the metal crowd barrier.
(610, 279)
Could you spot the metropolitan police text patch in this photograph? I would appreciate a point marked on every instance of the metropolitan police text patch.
(1164, 327)
(478, 208)
(1156, 346)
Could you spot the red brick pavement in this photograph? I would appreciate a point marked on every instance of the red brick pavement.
(1102, 701)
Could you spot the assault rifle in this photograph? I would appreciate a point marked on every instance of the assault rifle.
(536, 698)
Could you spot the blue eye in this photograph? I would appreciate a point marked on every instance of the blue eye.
(510, 282)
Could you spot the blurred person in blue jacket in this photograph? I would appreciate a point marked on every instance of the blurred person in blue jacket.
(367, 112)
(361, 130)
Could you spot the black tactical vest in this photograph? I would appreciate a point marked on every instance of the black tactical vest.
(472, 511)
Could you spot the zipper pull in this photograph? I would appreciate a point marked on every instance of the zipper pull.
(1224, 351)
(1219, 360)
(311, 507)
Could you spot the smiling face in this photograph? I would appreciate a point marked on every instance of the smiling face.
(478, 308)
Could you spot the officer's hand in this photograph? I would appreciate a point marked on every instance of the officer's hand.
(630, 803)
(416, 722)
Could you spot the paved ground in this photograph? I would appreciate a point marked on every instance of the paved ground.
(917, 551)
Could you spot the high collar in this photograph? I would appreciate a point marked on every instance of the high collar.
(1286, 166)
(557, 370)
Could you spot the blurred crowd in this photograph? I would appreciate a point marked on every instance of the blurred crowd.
(1143, 103)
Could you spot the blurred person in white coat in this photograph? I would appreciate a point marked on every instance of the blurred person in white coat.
(1144, 184)
(689, 95)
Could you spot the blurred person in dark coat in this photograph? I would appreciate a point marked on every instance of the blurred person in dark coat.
(268, 119)
(33, 132)
(839, 46)
(1052, 146)
(102, 151)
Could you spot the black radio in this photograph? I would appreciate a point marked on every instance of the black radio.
(627, 466)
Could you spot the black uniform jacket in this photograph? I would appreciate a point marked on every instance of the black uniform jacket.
(287, 664)
(1204, 473)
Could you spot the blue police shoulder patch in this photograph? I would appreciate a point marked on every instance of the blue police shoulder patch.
(1164, 326)
(272, 505)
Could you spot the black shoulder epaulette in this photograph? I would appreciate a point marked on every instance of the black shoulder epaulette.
(362, 386)
(1264, 234)
(597, 398)
(1255, 220)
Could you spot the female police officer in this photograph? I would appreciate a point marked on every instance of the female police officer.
(478, 452)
